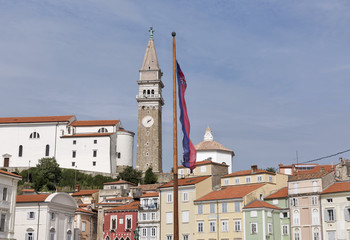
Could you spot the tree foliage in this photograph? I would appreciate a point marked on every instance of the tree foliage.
(271, 169)
(131, 175)
(150, 177)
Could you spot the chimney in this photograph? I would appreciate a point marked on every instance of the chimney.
(77, 188)
(254, 168)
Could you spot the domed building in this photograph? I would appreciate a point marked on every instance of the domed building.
(216, 152)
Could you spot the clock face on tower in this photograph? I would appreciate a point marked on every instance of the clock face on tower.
(148, 121)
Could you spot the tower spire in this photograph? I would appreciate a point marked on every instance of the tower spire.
(150, 61)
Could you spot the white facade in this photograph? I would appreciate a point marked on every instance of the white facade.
(149, 217)
(8, 190)
(97, 146)
(49, 218)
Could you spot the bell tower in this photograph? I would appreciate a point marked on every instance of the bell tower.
(150, 102)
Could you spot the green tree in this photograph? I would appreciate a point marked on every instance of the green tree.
(46, 174)
(271, 169)
(150, 177)
(131, 175)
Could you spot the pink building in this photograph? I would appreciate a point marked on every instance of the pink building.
(120, 222)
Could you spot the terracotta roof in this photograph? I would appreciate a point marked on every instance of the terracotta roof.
(338, 187)
(88, 135)
(211, 145)
(37, 119)
(28, 190)
(110, 203)
(84, 211)
(150, 187)
(260, 204)
(185, 181)
(130, 206)
(120, 182)
(84, 192)
(248, 172)
(317, 168)
(91, 123)
(230, 192)
(119, 198)
(305, 176)
(150, 194)
(83, 204)
(31, 198)
(10, 174)
(282, 193)
(205, 162)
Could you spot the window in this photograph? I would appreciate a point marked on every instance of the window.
(185, 237)
(95, 141)
(128, 221)
(200, 226)
(295, 186)
(169, 217)
(144, 232)
(74, 142)
(185, 197)
(253, 228)
(296, 236)
(31, 215)
(118, 155)
(83, 226)
(316, 235)
(169, 198)
(70, 218)
(73, 164)
(185, 216)
(4, 194)
(34, 135)
(52, 216)
(237, 180)
(102, 130)
(203, 169)
(237, 225)
(224, 226)
(270, 178)
(315, 217)
(212, 208)
(314, 200)
(275, 201)
(226, 181)
(94, 153)
(200, 209)
(285, 230)
(169, 237)
(269, 228)
(329, 200)
(269, 213)
(294, 202)
(2, 222)
(253, 214)
(331, 235)
(237, 206)
(20, 151)
(47, 150)
(285, 215)
(330, 215)
(347, 214)
(93, 163)
(259, 178)
(153, 232)
(153, 216)
(247, 179)
(224, 207)
(296, 217)
(29, 236)
(74, 154)
(52, 234)
(212, 226)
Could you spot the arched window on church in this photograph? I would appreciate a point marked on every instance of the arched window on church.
(152, 91)
(34, 135)
(20, 151)
(144, 92)
(102, 130)
(47, 150)
(148, 92)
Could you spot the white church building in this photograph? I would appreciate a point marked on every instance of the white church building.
(97, 145)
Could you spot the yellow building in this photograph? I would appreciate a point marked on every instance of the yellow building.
(189, 190)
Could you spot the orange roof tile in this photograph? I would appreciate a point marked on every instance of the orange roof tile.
(87, 135)
(248, 172)
(84, 192)
(150, 194)
(211, 145)
(130, 206)
(91, 123)
(28, 190)
(260, 204)
(150, 187)
(230, 192)
(37, 119)
(185, 181)
(31, 198)
(338, 187)
(10, 174)
(282, 193)
(309, 175)
(205, 162)
(120, 182)
(84, 211)
(119, 198)
(317, 168)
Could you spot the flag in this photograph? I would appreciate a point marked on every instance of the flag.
(189, 155)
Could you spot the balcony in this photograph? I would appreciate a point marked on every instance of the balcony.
(152, 207)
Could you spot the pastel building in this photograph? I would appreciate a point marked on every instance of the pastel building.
(94, 146)
(8, 192)
(149, 216)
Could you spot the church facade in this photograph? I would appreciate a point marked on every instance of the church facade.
(95, 146)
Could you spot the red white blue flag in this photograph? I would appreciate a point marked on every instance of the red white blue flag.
(189, 155)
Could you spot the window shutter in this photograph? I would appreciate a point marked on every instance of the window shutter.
(346, 213)
(326, 216)
(334, 213)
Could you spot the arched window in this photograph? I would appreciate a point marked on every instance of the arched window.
(20, 151)
(102, 130)
(47, 150)
(52, 234)
(69, 235)
(107, 238)
(144, 92)
(34, 135)
(152, 91)
(148, 92)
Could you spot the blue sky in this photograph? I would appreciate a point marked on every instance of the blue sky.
(269, 77)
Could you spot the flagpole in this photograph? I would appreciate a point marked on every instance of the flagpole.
(176, 188)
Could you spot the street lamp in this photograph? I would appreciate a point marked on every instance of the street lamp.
(137, 233)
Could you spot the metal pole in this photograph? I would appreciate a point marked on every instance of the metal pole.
(176, 207)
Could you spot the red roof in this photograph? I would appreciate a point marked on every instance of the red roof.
(92, 123)
(248, 172)
(260, 204)
(130, 206)
(31, 198)
(28, 190)
(119, 182)
(10, 174)
(84, 211)
(88, 135)
(338, 187)
(37, 119)
(282, 193)
(150, 187)
(317, 168)
(230, 192)
(308, 175)
(205, 162)
(150, 194)
(84, 192)
(119, 198)
(185, 181)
